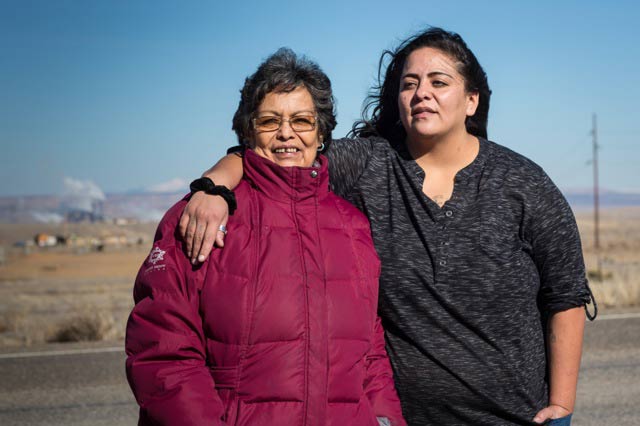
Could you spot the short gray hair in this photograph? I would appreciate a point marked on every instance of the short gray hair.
(284, 71)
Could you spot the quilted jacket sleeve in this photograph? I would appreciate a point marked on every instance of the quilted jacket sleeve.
(165, 345)
(379, 386)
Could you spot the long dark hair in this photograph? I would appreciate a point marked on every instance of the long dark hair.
(381, 116)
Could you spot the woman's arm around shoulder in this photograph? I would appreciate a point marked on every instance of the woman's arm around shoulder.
(205, 214)
(348, 160)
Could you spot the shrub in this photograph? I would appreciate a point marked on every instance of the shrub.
(85, 328)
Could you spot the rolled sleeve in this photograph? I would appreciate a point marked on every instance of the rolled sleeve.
(557, 251)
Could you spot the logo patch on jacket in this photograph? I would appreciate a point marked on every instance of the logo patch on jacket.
(156, 255)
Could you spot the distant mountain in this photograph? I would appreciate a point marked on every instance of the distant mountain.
(172, 186)
(84, 200)
(143, 206)
(583, 198)
(147, 206)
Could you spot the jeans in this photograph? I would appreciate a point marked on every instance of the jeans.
(562, 421)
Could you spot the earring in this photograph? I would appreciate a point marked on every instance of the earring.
(321, 147)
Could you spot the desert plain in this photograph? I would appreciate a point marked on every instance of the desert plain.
(64, 294)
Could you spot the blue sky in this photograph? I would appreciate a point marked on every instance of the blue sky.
(132, 94)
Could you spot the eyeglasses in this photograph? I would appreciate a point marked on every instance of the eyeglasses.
(299, 123)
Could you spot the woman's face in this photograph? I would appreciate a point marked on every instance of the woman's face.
(285, 146)
(432, 98)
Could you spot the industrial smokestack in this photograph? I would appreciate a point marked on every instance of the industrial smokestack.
(82, 200)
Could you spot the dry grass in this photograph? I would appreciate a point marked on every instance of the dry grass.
(618, 258)
(34, 312)
(57, 295)
(91, 326)
(56, 264)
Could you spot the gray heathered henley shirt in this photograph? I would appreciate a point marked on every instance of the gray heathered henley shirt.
(465, 289)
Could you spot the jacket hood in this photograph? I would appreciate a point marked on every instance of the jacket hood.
(286, 183)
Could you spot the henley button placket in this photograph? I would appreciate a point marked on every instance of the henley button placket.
(444, 244)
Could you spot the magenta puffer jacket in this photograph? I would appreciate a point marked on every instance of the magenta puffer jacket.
(277, 328)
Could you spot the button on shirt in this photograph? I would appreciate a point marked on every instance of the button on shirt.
(465, 288)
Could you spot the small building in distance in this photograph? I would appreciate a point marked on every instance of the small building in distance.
(45, 240)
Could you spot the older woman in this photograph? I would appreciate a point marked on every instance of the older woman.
(483, 282)
(281, 327)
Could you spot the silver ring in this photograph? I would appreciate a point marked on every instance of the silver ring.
(222, 229)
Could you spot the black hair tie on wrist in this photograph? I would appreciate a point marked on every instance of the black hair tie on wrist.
(205, 184)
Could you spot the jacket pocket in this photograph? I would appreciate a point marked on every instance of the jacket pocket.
(230, 403)
(224, 379)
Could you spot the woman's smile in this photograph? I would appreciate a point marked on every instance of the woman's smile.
(274, 135)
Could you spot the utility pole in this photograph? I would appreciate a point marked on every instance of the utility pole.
(596, 196)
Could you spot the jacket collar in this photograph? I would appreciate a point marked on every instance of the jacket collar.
(286, 183)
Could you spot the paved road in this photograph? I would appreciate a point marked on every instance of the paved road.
(66, 389)
(609, 385)
(59, 386)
